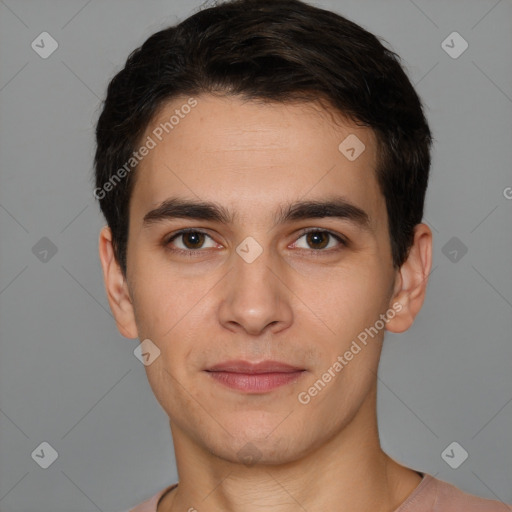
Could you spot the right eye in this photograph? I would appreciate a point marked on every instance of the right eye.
(192, 240)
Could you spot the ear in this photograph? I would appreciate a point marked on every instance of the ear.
(116, 287)
(411, 281)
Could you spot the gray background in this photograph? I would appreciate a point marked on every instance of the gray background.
(69, 378)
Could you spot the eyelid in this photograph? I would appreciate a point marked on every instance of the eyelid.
(168, 239)
(186, 230)
(338, 236)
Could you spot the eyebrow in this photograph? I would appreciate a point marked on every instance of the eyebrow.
(336, 207)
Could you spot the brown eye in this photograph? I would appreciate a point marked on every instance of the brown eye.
(192, 240)
(318, 239)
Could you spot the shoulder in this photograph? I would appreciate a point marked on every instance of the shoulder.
(150, 504)
(448, 498)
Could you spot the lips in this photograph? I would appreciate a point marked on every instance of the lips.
(246, 367)
(254, 378)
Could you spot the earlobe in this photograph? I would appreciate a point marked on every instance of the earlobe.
(411, 282)
(116, 287)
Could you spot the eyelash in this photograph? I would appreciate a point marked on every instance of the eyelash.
(192, 253)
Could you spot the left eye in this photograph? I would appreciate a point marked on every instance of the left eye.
(320, 238)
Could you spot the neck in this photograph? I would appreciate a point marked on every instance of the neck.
(348, 472)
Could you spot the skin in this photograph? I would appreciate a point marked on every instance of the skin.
(286, 305)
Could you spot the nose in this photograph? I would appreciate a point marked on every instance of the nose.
(255, 296)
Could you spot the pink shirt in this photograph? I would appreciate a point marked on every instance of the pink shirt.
(431, 495)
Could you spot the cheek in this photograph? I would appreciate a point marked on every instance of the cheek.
(161, 298)
(172, 314)
(349, 300)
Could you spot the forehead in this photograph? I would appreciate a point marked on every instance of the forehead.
(248, 154)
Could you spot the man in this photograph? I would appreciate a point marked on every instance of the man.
(262, 167)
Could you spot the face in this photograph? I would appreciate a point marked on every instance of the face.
(254, 286)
